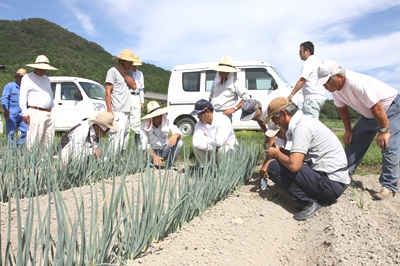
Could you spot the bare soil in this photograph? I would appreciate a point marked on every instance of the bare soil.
(254, 227)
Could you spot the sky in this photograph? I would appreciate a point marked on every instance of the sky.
(362, 35)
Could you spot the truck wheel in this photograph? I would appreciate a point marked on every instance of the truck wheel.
(186, 125)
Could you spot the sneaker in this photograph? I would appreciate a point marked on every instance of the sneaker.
(308, 211)
(385, 193)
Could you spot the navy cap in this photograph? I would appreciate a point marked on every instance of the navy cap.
(201, 106)
(249, 109)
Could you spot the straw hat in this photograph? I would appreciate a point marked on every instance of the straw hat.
(105, 119)
(137, 61)
(276, 105)
(154, 109)
(126, 55)
(225, 65)
(20, 72)
(42, 62)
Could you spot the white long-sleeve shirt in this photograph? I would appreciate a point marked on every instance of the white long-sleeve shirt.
(35, 91)
(225, 96)
(211, 137)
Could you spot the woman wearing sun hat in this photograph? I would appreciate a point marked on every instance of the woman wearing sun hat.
(36, 102)
(225, 91)
(154, 136)
(83, 139)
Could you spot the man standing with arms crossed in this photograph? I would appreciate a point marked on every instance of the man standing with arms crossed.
(119, 84)
(36, 102)
(314, 95)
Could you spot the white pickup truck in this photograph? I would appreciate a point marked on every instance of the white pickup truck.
(75, 99)
(189, 83)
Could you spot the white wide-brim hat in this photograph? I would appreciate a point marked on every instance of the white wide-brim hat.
(225, 65)
(154, 109)
(42, 62)
(105, 119)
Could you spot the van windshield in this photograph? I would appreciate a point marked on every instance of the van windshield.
(281, 77)
(93, 90)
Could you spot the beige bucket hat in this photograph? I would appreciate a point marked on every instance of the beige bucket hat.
(42, 62)
(126, 55)
(225, 65)
(154, 109)
(20, 72)
(105, 119)
(137, 61)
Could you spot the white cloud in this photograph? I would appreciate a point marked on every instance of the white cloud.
(173, 32)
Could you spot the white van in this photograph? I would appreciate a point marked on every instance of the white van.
(75, 99)
(190, 83)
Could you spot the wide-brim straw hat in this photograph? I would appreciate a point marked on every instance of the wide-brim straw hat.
(20, 72)
(42, 62)
(154, 109)
(126, 55)
(105, 119)
(137, 61)
(225, 65)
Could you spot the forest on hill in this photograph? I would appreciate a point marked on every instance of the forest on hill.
(21, 41)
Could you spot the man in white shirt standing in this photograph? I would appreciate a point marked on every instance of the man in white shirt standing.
(137, 98)
(314, 95)
(212, 133)
(154, 136)
(36, 102)
(225, 90)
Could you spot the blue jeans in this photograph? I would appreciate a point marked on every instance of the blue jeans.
(306, 184)
(13, 123)
(169, 153)
(364, 133)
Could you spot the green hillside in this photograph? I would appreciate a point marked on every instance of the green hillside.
(21, 41)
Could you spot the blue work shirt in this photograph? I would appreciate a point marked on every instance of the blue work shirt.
(10, 98)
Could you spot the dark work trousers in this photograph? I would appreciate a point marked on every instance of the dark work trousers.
(306, 184)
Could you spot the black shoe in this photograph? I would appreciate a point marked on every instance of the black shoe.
(308, 211)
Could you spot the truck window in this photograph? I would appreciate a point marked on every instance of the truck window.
(69, 91)
(259, 79)
(191, 81)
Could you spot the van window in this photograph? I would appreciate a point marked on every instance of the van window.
(259, 79)
(210, 76)
(53, 89)
(191, 81)
(93, 90)
(69, 91)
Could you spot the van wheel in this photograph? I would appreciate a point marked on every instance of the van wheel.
(186, 125)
